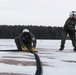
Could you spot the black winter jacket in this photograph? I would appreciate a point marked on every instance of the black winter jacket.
(70, 24)
(25, 40)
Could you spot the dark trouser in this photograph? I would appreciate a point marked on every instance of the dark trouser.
(18, 43)
(19, 46)
(72, 37)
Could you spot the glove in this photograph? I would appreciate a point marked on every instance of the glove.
(33, 49)
(25, 49)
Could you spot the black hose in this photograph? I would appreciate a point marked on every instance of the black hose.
(38, 64)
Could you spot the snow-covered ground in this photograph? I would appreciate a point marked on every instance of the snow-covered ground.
(54, 62)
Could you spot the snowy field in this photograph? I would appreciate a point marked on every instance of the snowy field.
(54, 62)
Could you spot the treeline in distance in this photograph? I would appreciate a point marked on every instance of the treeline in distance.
(40, 32)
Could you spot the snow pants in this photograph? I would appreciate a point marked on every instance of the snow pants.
(71, 35)
(18, 43)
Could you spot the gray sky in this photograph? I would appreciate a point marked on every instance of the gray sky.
(35, 12)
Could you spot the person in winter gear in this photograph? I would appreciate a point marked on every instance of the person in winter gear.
(26, 41)
(69, 28)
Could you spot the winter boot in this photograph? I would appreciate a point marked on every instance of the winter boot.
(74, 49)
(61, 48)
(20, 49)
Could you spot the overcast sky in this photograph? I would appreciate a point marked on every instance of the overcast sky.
(36, 12)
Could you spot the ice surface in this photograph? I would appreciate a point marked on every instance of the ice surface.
(54, 62)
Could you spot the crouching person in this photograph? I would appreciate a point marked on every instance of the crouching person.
(26, 41)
